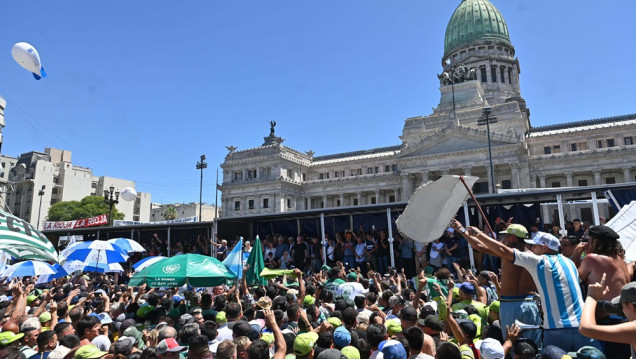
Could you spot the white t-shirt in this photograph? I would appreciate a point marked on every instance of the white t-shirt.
(350, 290)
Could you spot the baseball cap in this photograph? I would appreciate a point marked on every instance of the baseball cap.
(628, 294)
(304, 343)
(308, 301)
(352, 276)
(9, 337)
(468, 327)
(177, 298)
(587, 352)
(516, 230)
(603, 233)
(467, 288)
(434, 323)
(351, 352)
(409, 314)
(392, 349)
(242, 329)
(124, 345)
(168, 345)
(88, 352)
(545, 239)
(335, 322)
(105, 318)
(264, 303)
(45, 317)
(220, 318)
(393, 326)
(341, 337)
(491, 349)
(268, 337)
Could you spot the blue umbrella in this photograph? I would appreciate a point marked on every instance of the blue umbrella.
(28, 269)
(146, 262)
(127, 245)
(59, 273)
(101, 267)
(97, 252)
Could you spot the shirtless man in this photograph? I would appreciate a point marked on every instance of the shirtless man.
(603, 258)
(517, 286)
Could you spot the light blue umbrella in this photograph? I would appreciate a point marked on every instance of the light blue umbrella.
(146, 262)
(98, 252)
(59, 273)
(28, 269)
(127, 245)
(101, 267)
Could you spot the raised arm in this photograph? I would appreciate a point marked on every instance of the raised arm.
(301, 286)
(279, 340)
(477, 245)
(497, 248)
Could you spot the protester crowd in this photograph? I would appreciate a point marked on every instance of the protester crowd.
(532, 295)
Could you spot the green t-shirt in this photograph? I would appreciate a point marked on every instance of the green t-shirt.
(481, 308)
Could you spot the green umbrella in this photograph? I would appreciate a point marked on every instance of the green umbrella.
(21, 240)
(193, 269)
(252, 274)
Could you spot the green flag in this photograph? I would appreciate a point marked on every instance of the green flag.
(273, 273)
(255, 260)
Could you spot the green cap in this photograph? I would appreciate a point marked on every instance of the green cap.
(429, 270)
(88, 352)
(352, 276)
(335, 322)
(494, 306)
(45, 317)
(31, 299)
(220, 318)
(393, 326)
(351, 352)
(8, 337)
(308, 301)
(144, 310)
(325, 268)
(456, 293)
(269, 338)
(517, 230)
(304, 343)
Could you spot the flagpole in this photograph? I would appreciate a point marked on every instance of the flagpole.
(470, 192)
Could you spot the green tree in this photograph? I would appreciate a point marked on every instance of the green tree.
(88, 207)
(170, 213)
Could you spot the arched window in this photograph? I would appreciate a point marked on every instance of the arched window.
(493, 74)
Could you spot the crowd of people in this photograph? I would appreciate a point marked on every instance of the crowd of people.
(534, 295)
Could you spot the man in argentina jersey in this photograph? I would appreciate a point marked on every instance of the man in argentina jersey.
(557, 280)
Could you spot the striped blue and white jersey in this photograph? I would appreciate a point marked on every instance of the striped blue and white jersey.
(557, 281)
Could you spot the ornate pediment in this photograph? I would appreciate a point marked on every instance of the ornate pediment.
(456, 139)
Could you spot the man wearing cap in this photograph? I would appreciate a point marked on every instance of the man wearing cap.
(351, 288)
(618, 333)
(168, 349)
(557, 280)
(517, 286)
(602, 258)
(335, 279)
(466, 293)
(89, 351)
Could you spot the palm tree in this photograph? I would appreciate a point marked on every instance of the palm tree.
(170, 213)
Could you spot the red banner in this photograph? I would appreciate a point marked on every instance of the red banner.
(79, 223)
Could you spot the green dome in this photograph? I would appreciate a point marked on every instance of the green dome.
(472, 21)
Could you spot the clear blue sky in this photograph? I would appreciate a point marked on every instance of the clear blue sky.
(140, 89)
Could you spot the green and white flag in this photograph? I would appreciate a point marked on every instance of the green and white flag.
(21, 240)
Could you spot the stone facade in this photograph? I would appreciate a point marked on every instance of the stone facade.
(483, 73)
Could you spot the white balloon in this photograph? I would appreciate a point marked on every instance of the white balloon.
(129, 194)
(27, 56)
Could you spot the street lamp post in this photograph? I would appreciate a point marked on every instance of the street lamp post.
(111, 198)
(40, 193)
(200, 166)
(486, 119)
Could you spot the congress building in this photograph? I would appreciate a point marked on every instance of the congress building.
(480, 98)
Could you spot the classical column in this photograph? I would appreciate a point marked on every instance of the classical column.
(406, 186)
(467, 170)
(514, 171)
(627, 173)
(597, 177)
(490, 184)
(424, 177)
(308, 202)
(324, 201)
(568, 179)
(542, 183)
(395, 195)
(377, 196)
(359, 198)
(342, 200)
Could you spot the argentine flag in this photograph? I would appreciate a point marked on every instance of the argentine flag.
(234, 260)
